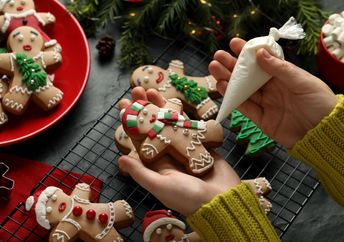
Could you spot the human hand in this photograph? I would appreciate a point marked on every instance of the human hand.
(167, 180)
(290, 104)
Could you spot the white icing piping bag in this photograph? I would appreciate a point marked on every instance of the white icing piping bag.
(247, 77)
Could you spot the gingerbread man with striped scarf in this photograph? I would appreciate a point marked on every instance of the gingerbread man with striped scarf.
(157, 132)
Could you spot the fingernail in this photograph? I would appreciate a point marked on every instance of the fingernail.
(266, 54)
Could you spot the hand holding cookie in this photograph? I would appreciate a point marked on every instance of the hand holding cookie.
(169, 184)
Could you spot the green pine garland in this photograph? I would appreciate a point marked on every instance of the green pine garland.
(190, 89)
(33, 76)
(208, 20)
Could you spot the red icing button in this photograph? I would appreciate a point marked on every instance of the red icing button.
(77, 211)
(90, 214)
(62, 207)
(103, 218)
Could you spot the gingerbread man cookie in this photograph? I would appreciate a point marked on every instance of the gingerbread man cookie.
(162, 226)
(195, 92)
(74, 216)
(18, 13)
(26, 65)
(159, 131)
(3, 90)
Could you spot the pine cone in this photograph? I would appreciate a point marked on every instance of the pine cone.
(106, 47)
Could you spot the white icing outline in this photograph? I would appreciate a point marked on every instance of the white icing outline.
(83, 187)
(12, 104)
(128, 209)
(81, 200)
(177, 64)
(210, 86)
(3, 118)
(60, 235)
(198, 136)
(211, 111)
(149, 149)
(53, 101)
(110, 223)
(9, 16)
(164, 139)
(202, 103)
(205, 158)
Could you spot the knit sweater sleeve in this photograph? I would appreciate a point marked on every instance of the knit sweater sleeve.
(322, 148)
(233, 216)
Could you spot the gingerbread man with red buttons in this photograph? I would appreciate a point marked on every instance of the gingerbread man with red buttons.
(74, 216)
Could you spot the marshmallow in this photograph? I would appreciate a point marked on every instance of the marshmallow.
(336, 32)
(328, 40)
(333, 17)
(338, 52)
(327, 29)
(340, 38)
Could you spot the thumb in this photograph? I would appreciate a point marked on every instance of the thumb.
(285, 71)
(145, 177)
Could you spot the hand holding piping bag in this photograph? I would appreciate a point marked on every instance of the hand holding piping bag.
(247, 76)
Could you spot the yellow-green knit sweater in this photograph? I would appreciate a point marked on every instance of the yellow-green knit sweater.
(236, 214)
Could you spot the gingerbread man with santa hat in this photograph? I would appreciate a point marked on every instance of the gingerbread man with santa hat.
(162, 226)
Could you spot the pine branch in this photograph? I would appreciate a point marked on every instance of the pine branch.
(133, 49)
(108, 9)
(311, 17)
(173, 16)
(84, 11)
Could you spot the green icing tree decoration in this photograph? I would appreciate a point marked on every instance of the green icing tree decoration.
(190, 89)
(33, 76)
(248, 132)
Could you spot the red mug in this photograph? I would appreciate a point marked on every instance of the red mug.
(330, 67)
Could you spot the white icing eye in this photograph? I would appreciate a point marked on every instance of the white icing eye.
(186, 132)
(49, 209)
(141, 119)
(145, 111)
(20, 37)
(150, 70)
(11, 3)
(54, 197)
(158, 231)
(32, 37)
(146, 79)
(169, 226)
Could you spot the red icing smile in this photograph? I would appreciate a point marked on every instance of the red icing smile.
(169, 237)
(27, 47)
(20, 8)
(160, 77)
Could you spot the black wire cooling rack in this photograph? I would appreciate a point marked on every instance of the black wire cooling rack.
(95, 154)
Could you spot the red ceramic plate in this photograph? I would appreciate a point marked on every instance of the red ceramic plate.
(71, 77)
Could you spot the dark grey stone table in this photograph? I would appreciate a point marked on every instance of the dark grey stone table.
(320, 220)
